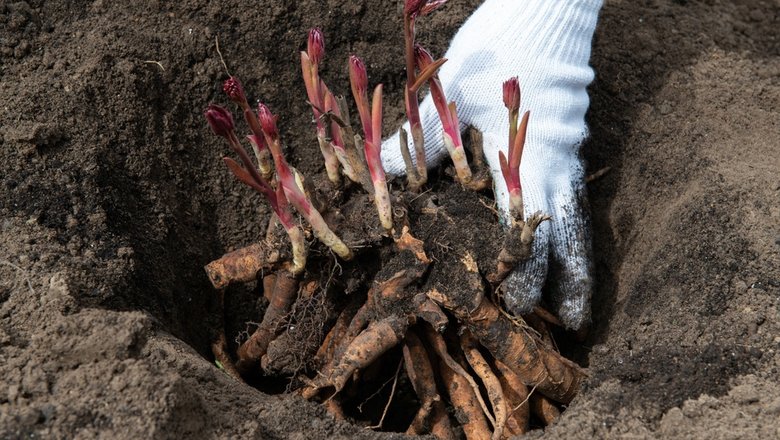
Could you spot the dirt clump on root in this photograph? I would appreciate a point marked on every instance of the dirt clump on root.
(112, 200)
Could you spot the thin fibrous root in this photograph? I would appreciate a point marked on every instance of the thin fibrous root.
(516, 393)
(492, 385)
(540, 326)
(517, 246)
(242, 265)
(253, 349)
(294, 329)
(420, 373)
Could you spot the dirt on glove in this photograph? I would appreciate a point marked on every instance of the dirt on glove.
(113, 199)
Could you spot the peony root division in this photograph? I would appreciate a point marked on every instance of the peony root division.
(371, 294)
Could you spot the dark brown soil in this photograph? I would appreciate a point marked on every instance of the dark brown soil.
(113, 198)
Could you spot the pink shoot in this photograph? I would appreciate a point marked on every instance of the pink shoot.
(289, 180)
(331, 106)
(413, 9)
(333, 131)
(512, 103)
(315, 47)
(348, 147)
(235, 91)
(510, 169)
(358, 79)
(417, 8)
(221, 122)
(315, 91)
(371, 120)
(447, 115)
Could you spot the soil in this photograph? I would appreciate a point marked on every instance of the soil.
(113, 199)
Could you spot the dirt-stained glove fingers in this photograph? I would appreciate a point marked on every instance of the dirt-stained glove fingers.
(570, 273)
(522, 289)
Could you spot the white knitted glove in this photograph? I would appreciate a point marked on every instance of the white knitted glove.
(546, 44)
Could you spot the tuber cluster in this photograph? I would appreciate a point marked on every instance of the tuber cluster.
(379, 272)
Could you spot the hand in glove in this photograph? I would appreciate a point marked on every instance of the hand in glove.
(546, 44)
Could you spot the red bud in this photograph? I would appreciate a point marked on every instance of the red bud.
(267, 120)
(357, 75)
(235, 91)
(412, 8)
(415, 8)
(422, 57)
(512, 94)
(220, 120)
(431, 5)
(316, 46)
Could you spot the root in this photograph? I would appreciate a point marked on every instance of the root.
(219, 349)
(517, 399)
(431, 313)
(373, 342)
(440, 347)
(251, 351)
(336, 334)
(219, 346)
(243, 265)
(536, 363)
(333, 407)
(269, 281)
(467, 408)
(418, 368)
(547, 316)
(303, 329)
(492, 385)
(543, 408)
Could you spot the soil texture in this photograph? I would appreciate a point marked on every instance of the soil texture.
(113, 198)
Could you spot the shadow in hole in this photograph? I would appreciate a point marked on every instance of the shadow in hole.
(166, 216)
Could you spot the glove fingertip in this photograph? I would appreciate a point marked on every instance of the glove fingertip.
(522, 289)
